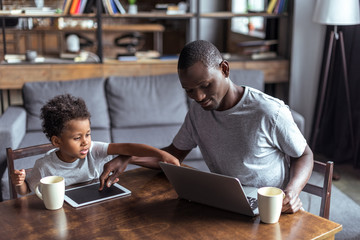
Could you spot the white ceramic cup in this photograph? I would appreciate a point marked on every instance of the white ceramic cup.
(51, 190)
(270, 201)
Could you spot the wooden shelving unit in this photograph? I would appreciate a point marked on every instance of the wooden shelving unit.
(12, 76)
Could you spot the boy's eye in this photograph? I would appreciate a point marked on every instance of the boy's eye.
(77, 138)
(88, 134)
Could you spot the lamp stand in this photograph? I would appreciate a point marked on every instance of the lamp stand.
(330, 52)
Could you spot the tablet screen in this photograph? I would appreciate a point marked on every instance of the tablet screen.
(87, 194)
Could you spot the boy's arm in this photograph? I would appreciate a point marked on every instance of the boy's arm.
(152, 154)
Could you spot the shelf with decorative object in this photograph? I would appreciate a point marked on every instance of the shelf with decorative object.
(165, 33)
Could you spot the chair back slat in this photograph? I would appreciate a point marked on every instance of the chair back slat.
(323, 191)
(13, 155)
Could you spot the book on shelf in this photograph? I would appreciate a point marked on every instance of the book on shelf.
(105, 7)
(254, 49)
(277, 6)
(271, 6)
(113, 6)
(90, 6)
(120, 6)
(19, 58)
(263, 55)
(66, 6)
(127, 58)
(258, 49)
(276, 9)
(82, 6)
(74, 7)
(257, 43)
(10, 11)
(38, 11)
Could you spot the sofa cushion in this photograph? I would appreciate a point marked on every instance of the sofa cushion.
(146, 100)
(156, 136)
(36, 94)
(247, 77)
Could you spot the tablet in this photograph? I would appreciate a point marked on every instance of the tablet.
(88, 194)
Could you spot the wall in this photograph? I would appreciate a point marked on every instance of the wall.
(306, 59)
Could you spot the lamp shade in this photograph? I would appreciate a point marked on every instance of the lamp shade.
(337, 12)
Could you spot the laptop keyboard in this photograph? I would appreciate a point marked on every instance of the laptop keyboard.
(252, 202)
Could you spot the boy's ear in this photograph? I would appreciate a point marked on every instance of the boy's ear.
(55, 141)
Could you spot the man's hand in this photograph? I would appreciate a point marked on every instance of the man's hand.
(291, 202)
(168, 158)
(112, 171)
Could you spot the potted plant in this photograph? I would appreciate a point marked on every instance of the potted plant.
(132, 7)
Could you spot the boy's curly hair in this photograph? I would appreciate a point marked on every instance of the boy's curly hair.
(58, 111)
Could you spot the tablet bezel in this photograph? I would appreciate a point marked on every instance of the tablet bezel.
(71, 202)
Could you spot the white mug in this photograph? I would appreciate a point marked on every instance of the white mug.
(51, 190)
(270, 201)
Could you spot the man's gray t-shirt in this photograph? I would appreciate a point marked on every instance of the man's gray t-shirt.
(251, 141)
(81, 170)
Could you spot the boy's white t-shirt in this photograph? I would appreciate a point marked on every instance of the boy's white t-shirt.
(81, 170)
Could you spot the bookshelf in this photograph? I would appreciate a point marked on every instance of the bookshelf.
(171, 23)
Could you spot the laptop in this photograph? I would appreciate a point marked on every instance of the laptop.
(212, 189)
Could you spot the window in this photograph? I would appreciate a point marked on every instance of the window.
(252, 26)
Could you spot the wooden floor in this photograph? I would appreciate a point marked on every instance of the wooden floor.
(349, 181)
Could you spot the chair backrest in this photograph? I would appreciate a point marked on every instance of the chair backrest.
(323, 191)
(20, 153)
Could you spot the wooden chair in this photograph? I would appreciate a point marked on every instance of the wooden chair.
(324, 192)
(20, 153)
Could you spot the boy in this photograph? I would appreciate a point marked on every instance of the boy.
(66, 123)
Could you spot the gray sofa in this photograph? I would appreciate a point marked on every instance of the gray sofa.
(146, 110)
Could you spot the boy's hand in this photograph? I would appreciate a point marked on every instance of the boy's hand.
(18, 177)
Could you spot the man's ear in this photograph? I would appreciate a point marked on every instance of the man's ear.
(56, 141)
(225, 68)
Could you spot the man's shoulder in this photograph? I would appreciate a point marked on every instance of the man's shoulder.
(265, 99)
(265, 104)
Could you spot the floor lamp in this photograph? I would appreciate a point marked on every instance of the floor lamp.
(337, 13)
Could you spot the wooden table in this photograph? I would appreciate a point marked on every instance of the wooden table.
(151, 212)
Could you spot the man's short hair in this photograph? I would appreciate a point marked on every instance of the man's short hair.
(58, 111)
(199, 50)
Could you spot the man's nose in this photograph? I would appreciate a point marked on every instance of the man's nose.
(199, 95)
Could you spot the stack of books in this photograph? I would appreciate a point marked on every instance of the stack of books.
(88, 6)
(277, 6)
(258, 49)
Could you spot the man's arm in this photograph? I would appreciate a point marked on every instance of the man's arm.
(118, 165)
(300, 172)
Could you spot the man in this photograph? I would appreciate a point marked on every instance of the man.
(240, 131)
